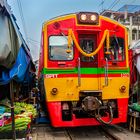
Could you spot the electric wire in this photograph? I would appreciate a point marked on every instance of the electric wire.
(127, 4)
(130, 4)
(126, 7)
(22, 19)
(101, 4)
(113, 4)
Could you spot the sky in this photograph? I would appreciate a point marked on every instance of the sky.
(36, 12)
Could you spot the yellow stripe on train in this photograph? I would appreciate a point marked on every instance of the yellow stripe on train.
(67, 89)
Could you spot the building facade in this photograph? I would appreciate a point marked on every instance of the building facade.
(128, 15)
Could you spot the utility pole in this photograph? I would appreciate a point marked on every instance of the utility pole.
(126, 13)
(12, 110)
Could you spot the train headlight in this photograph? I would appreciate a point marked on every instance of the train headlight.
(93, 17)
(54, 91)
(83, 17)
(123, 89)
(88, 18)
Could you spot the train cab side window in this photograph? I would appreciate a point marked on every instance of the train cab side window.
(117, 49)
(58, 46)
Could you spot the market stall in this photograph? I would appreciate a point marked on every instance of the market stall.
(17, 71)
(134, 102)
(24, 114)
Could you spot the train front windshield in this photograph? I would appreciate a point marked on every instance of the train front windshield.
(58, 48)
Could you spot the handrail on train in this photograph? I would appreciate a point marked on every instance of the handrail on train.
(79, 72)
(71, 37)
(106, 72)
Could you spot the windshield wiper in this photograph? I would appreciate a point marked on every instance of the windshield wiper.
(116, 39)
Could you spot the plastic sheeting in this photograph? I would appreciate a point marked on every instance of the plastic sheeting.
(15, 59)
(19, 69)
(9, 42)
(138, 63)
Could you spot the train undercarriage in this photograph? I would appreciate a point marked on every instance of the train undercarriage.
(89, 110)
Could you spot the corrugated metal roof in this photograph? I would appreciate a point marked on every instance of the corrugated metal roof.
(130, 8)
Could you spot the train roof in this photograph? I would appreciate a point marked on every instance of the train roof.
(70, 14)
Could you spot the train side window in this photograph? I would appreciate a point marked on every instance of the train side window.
(57, 48)
(116, 49)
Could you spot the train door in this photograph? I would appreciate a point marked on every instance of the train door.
(88, 43)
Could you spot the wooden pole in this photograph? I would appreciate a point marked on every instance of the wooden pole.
(12, 110)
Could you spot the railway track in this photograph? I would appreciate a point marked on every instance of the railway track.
(46, 132)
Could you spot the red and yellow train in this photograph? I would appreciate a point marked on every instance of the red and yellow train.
(84, 70)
